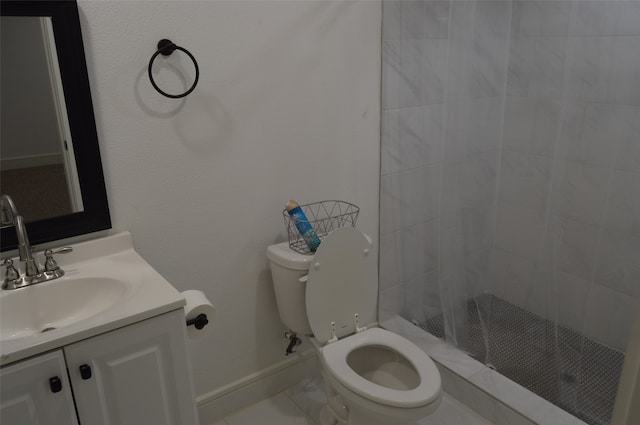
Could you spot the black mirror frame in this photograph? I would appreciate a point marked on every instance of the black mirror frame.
(77, 93)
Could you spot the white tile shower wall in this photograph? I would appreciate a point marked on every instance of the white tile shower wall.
(444, 78)
(531, 124)
(415, 39)
(525, 180)
(570, 164)
(474, 105)
(564, 147)
(287, 106)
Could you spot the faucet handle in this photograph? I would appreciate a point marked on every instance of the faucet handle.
(11, 274)
(50, 264)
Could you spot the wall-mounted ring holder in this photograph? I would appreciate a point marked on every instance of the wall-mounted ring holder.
(165, 48)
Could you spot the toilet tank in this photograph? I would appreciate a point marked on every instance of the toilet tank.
(287, 267)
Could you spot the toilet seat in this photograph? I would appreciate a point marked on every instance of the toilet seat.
(427, 391)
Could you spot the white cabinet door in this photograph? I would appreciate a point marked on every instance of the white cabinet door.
(37, 392)
(135, 375)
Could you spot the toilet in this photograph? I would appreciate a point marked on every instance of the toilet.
(372, 376)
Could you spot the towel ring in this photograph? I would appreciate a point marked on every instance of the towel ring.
(166, 47)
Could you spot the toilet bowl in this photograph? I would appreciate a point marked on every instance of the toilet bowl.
(372, 376)
(386, 376)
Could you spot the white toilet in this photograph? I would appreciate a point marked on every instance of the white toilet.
(373, 376)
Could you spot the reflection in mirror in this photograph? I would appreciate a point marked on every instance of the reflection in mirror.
(38, 166)
(49, 155)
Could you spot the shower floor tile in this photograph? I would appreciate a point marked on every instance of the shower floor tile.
(569, 370)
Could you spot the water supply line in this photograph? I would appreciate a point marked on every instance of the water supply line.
(293, 341)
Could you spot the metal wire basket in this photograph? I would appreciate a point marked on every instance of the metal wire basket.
(325, 217)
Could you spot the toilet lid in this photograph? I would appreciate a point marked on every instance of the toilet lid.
(342, 281)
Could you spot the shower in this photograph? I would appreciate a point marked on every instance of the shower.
(510, 168)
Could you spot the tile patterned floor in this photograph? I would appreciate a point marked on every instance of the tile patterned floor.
(301, 405)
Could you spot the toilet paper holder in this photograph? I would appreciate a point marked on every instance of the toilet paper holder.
(200, 321)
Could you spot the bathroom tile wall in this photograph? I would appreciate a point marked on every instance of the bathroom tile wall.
(414, 52)
(567, 241)
(511, 159)
(444, 80)
(474, 105)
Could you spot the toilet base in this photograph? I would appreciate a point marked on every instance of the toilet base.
(359, 411)
(328, 418)
(334, 412)
(356, 418)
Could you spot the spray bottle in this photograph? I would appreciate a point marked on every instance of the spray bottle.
(303, 225)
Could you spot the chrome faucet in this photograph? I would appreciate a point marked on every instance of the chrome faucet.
(9, 215)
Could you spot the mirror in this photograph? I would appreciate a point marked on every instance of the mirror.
(38, 165)
(49, 155)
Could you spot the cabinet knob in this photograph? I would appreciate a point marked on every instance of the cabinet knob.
(85, 371)
(55, 384)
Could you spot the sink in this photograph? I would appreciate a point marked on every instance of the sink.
(53, 305)
(106, 286)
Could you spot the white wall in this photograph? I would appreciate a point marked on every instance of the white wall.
(287, 107)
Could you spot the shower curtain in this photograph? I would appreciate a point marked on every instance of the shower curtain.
(510, 208)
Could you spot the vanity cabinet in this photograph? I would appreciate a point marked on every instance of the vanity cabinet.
(138, 374)
(37, 391)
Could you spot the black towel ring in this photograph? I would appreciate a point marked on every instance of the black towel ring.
(166, 47)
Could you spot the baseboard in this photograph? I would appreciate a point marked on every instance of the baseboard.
(258, 386)
(30, 161)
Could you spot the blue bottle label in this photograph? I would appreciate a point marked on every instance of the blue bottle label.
(305, 228)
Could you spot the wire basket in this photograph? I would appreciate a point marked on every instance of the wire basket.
(325, 217)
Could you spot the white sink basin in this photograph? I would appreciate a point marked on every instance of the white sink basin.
(106, 285)
(53, 305)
